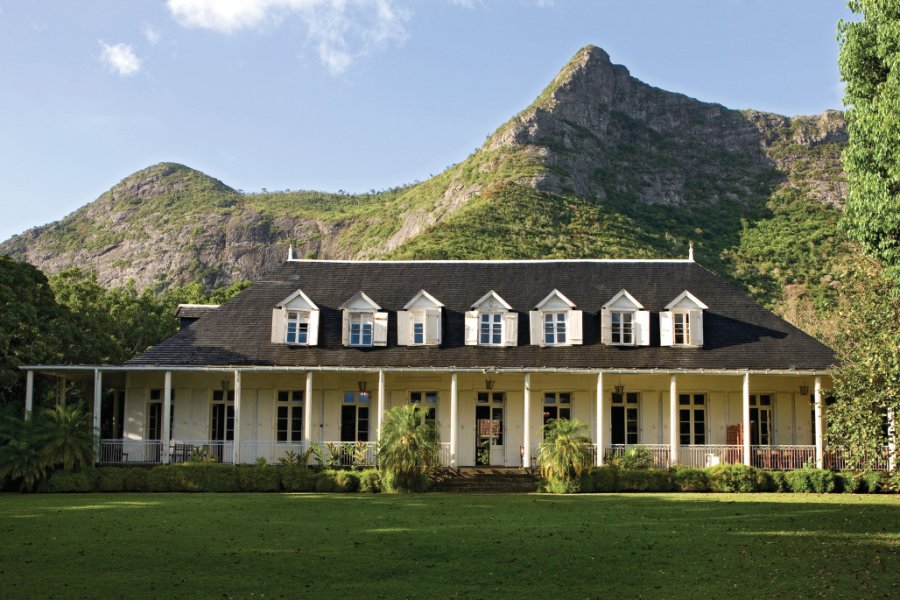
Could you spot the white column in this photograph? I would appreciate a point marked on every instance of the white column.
(29, 393)
(307, 410)
(600, 434)
(820, 424)
(380, 404)
(745, 427)
(454, 421)
(892, 440)
(236, 443)
(98, 400)
(166, 417)
(526, 422)
(673, 420)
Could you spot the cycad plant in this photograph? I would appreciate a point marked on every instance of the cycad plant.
(407, 450)
(21, 458)
(67, 438)
(564, 453)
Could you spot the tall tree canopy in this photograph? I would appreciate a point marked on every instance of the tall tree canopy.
(870, 66)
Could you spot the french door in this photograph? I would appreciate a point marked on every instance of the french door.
(489, 428)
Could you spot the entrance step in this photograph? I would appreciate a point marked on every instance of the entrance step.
(487, 480)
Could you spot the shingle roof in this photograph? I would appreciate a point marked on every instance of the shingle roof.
(738, 333)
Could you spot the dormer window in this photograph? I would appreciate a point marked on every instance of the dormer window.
(295, 321)
(419, 323)
(555, 322)
(491, 322)
(624, 322)
(363, 323)
(681, 324)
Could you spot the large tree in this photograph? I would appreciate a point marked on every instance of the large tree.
(870, 66)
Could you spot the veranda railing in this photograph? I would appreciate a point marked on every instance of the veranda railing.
(661, 453)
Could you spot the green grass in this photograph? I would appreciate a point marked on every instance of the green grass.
(440, 546)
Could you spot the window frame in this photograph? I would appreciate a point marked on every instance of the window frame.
(685, 328)
(364, 318)
(288, 400)
(758, 407)
(300, 320)
(625, 401)
(496, 326)
(430, 401)
(418, 318)
(613, 326)
(692, 407)
(558, 404)
(555, 324)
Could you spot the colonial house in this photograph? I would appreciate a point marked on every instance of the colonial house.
(661, 353)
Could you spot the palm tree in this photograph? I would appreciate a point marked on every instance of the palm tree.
(67, 437)
(408, 449)
(565, 451)
(21, 458)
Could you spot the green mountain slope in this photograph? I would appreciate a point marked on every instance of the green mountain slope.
(599, 165)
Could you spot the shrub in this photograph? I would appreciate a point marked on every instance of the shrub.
(811, 481)
(874, 481)
(639, 457)
(111, 479)
(207, 477)
(298, 479)
(407, 450)
(564, 454)
(605, 479)
(733, 478)
(646, 480)
(325, 482)
(689, 479)
(69, 481)
(169, 478)
(258, 478)
(370, 481)
(134, 479)
(849, 483)
(780, 482)
(346, 481)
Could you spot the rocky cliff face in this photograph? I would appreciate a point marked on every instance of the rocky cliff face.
(595, 136)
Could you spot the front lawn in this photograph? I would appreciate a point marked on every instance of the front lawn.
(442, 545)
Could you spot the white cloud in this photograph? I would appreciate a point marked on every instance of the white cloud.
(465, 3)
(120, 58)
(340, 30)
(151, 35)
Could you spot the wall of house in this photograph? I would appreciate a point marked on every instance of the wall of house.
(193, 397)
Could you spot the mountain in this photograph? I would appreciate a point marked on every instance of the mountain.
(599, 165)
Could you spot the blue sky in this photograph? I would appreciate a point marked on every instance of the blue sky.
(351, 94)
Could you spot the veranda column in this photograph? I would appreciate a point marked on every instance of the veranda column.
(307, 410)
(526, 423)
(454, 421)
(98, 398)
(673, 420)
(380, 404)
(745, 428)
(236, 442)
(166, 417)
(892, 440)
(599, 435)
(820, 425)
(29, 393)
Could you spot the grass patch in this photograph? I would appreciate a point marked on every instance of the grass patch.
(442, 545)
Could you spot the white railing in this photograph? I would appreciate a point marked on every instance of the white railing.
(835, 459)
(182, 451)
(130, 451)
(534, 456)
(444, 454)
(709, 455)
(344, 454)
(660, 452)
(272, 451)
(782, 457)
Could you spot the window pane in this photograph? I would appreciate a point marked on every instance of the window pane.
(431, 397)
(349, 397)
(415, 397)
(565, 398)
(482, 396)
(291, 332)
(549, 398)
(282, 396)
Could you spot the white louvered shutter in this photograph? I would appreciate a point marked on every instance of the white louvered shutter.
(696, 327)
(471, 331)
(535, 326)
(605, 326)
(313, 335)
(379, 329)
(576, 335)
(433, 327)
(278, 326)
(403, 327)
(345, 328)
(511, 328)
(642, 327)
(665, 328)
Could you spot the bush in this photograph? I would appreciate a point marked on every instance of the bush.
(370, 481)
(169, 478)
(62, 482)
(422, 483)
(110, 479)
(646, 480)
(639, 457)
(874, 481)
(346, 481)
(735, 478)
(849, 483)
(259, 478)
(811, 481)
(325, 482)
(780, 482)
(689, 479)
(296, 478)
(605, 479)
(207, 477)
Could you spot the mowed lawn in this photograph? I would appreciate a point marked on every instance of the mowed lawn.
(446, 546)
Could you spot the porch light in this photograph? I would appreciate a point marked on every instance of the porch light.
(489, 383)
(225, 385)
(619, 389)
(361, 384)
(804, 390)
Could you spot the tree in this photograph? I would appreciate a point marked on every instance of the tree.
(870, 66)
(564, 454)
(408, 449)
(66, 437)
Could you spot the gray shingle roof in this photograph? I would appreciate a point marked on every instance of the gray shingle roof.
(738, 333)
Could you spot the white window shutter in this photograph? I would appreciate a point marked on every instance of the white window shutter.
(313, 335)
(404, 320)
(605, 326)
(642, 327)
(535, 326)
(379, 329)
(511, 328)
(278, 326)
(576, 334)
(471, 328)
(665, 328)
(433, 327)
(696, 328)
(345, 328)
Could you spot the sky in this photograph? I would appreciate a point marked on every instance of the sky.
(350, 94)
